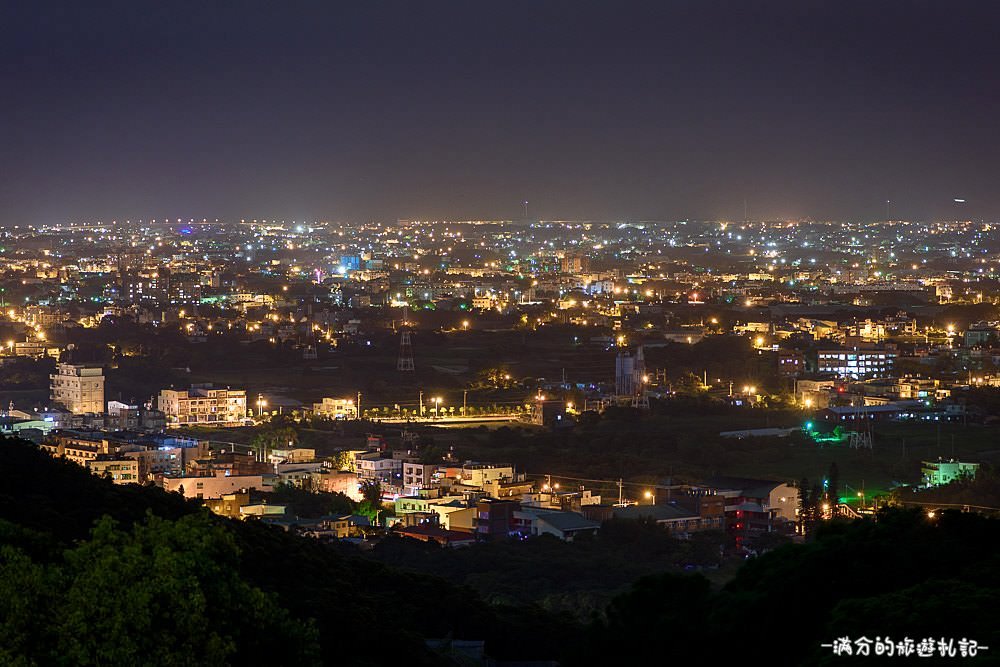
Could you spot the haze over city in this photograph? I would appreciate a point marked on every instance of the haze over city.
(362, 111)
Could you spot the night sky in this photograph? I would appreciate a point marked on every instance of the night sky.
(615, 110)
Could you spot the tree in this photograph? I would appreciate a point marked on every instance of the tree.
(804, 501)
(805, 505)
(372, 492)
(689, 384)
(164, 593)
(311, 504)
(343, 460)
(274, 437)
(371, 505)
(664, 608)
(833, 483)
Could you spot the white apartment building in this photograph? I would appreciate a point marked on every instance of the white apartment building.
(418, 476)
(480, 474)
(855, 364)
(336, 408)
(375, 466)
(79, 388)
(203, 405)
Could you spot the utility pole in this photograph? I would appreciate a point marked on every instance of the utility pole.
(620, 484)
(359, 405)
(465, 395)
(420, 402)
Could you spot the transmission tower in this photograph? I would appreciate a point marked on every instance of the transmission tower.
(538, 410)
(861, 439)
(405, 362)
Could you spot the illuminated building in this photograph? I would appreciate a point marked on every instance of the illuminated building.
(79, 388)
(203, 405)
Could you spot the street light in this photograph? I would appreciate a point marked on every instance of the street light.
(437, 406)
(652, 497)
(261, 404)
(465, 324)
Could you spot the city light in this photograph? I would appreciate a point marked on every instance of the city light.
(321, 204)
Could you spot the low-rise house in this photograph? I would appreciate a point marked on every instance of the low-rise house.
(120, 470)
(262, 510)
(755, 505)
(375, 466)
(432, 533)
(690, 514)
(940, 472)
(228, 504)
(564, 525)
(217, 485)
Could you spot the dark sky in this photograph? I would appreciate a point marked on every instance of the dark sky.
(376, 110)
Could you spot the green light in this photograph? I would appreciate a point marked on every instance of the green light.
(809, 426)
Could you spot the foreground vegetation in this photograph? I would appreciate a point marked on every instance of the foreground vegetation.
(95, 573)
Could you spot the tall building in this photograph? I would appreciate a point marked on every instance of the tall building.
(203, 405)
(575, 264)
(146, 286)
(78, 388)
